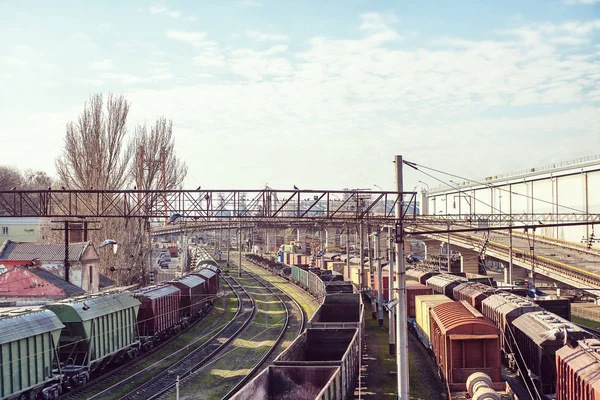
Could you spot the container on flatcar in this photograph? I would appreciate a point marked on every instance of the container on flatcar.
(326, 347)
(578, 371)
(92, 318)
(419, 274)
(538, 335)
(503, 308)
(193, 295)
(293, 382)
(28, 353)
(444, 283)
(464, 342)
(414, 289)
(423, 306)
(473, 292)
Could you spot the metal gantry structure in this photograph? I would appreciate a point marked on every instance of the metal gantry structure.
(270, 208)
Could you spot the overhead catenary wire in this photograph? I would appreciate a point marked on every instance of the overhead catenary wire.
(490, 185)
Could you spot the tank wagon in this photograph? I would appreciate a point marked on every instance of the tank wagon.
(28, 356)
(85, 344)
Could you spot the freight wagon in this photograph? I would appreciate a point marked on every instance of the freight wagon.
(85, 344)
(327, 347)
(423, 306)
(444, 283)
(28, 354)
(464, 342)
(344, 310)
(159, 313)
(503, 308)
(578, 371)
(473, 292)
(419, 274)
(292, 383)
(194, 301)
(539, 335)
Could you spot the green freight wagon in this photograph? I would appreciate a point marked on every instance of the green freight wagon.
(28, 356)
(98, 330)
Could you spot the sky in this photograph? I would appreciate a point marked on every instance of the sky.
(318, 94)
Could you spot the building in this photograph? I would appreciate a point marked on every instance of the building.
(83, 260)
(19, 229)
(26, 282)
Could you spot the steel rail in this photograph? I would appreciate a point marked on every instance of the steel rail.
(163, 381)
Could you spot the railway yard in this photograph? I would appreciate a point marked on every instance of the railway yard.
(271, 329)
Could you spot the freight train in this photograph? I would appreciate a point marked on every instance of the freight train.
(323, 362)
(470, 326)
(53, 348)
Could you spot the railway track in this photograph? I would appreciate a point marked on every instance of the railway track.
(96, 383)
(163, 381)
(224, 375)
(281, 296)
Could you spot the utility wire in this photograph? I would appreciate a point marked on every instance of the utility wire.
(490, 185)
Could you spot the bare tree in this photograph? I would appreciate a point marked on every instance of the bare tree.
(36, 180)
(10, 178)
(155, 160)
(95, 154)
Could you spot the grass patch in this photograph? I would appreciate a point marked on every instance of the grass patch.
(214, 320)
(586, 322)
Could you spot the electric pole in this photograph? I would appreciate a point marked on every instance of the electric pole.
(401, 329)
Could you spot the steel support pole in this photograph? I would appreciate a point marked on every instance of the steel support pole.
(240, 250)
(228, 241)
(510, 256)
(510, 238)
(348, 253)
(362, 257)
(371, 273)
(379, 280)
(391, 285)
(401, 328)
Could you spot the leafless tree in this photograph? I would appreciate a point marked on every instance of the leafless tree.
(10, 178)
(151, 146)
(95, 153)
(36, 180)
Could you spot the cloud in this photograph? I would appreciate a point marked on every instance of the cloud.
(573, 2)
(250, 3)
(191, 19)
(14, 61)
(128, 79)
(264, 37)
(192, 38)
(155, 10)
(102, 64)
(106, 25)
(210, 58)
(378, 26)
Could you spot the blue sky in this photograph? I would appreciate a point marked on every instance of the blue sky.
(320, 94)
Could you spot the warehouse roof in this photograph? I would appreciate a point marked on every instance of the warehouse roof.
(46, 252)
(68, 288)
